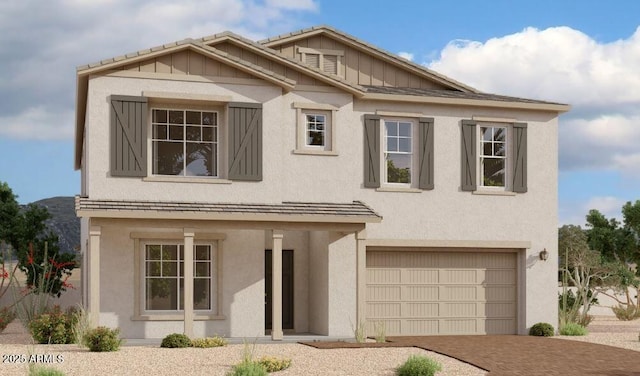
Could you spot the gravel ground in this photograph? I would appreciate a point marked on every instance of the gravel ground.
(150, 360)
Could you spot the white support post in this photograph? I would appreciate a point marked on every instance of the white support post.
(94, 275)
(276, 291)
(188, 282)
(361, 275)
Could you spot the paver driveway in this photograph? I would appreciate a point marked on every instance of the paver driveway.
(521, 355)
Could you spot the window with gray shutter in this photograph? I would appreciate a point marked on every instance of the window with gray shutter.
(371, 151)
(468, 160)
(128, 136)
(245, 141)
(425, 154)
(519, 157)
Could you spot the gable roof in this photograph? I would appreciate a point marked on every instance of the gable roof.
(297, 65)
(369, 48)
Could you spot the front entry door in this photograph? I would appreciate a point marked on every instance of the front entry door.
(287, 289)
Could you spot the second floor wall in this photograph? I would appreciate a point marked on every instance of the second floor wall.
(314, 148)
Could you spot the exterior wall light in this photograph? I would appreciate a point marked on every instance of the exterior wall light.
(544, 255)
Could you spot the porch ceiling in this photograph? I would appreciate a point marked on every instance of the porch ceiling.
(317, 212)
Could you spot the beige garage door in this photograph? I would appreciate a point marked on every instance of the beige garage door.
(426, 293)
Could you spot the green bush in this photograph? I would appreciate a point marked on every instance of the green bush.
(418, 365)
(248, 369)
(209, 342)
(44, 371)
(573, 329)
(6, 316)
(272, 364)
(102, 339)
(542, 329)
(176, 340)
(54, 327)
(626, 313)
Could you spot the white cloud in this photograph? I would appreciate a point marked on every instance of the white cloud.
(41, 44)
(406, 55)
(607, 205)
(600, 80)
(38, 123)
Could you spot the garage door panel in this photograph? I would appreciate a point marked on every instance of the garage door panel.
(459, 276)
(459, 309)
(459, 293)
(425, 276)
(389, 326)
(499, 293)
(499, 277)
(384, 293)
(497, 309)
(384, 310)
(459, 326)
(428, 293)
(385, 276)
(499, 326)
(417, 310)
(421, 327)
(420, 293)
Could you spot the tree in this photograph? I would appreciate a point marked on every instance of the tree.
(583, 268)
(619, 244)
(36, 247)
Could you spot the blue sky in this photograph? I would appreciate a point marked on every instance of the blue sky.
(584, 53)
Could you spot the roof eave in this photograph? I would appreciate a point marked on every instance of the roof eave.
(553, 107)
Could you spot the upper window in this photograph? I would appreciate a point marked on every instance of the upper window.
(398, 151)
(316, 130)
(185, 142)
(493, 156)
(164, 277)
(315, 133)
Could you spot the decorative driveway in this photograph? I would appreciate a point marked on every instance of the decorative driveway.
(520, 355)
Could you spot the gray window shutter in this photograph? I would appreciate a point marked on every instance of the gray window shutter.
(425, 154)
(245, 141)
(371, 151)
(519, 170)
(128, 136)
(468, 162)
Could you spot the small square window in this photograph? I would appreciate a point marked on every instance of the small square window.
(315, 129)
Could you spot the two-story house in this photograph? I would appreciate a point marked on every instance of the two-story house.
(306, 183)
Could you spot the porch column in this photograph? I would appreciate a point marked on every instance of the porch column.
(276, 291)
(361, 275)
(94, 275)
(188, 282)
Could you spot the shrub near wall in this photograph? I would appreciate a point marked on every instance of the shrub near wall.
(542, 329)
(54, 327)
(102, 339)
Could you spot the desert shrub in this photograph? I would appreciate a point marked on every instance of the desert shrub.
(6, 316)
(248, 369)
(272, 364)
(418, 365)
(626, 313)
(209, 342)
(102, 339)
(573, 329)
(542, 329)
(380, 330)
(54, 327)
(176, 340)
(44, 371)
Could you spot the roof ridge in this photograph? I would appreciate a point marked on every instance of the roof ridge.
(375, 48)
(277, 54)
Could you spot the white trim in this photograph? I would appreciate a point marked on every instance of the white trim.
(486, 191)
(399, 114)
(388, 187)
(186, 179)
(508, 158)
(493, 119)
(383, 147)
(431, 243)
(188, 96)
(315, 152)
(314, 106)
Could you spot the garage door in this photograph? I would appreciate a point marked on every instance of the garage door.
(426, 293)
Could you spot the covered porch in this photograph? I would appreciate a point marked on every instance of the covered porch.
(324, 235)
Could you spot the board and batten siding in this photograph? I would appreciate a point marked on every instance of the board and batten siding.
(189, 63)
(441, 292)
(359, 67)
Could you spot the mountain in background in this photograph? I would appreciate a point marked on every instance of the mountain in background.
(63, 221)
